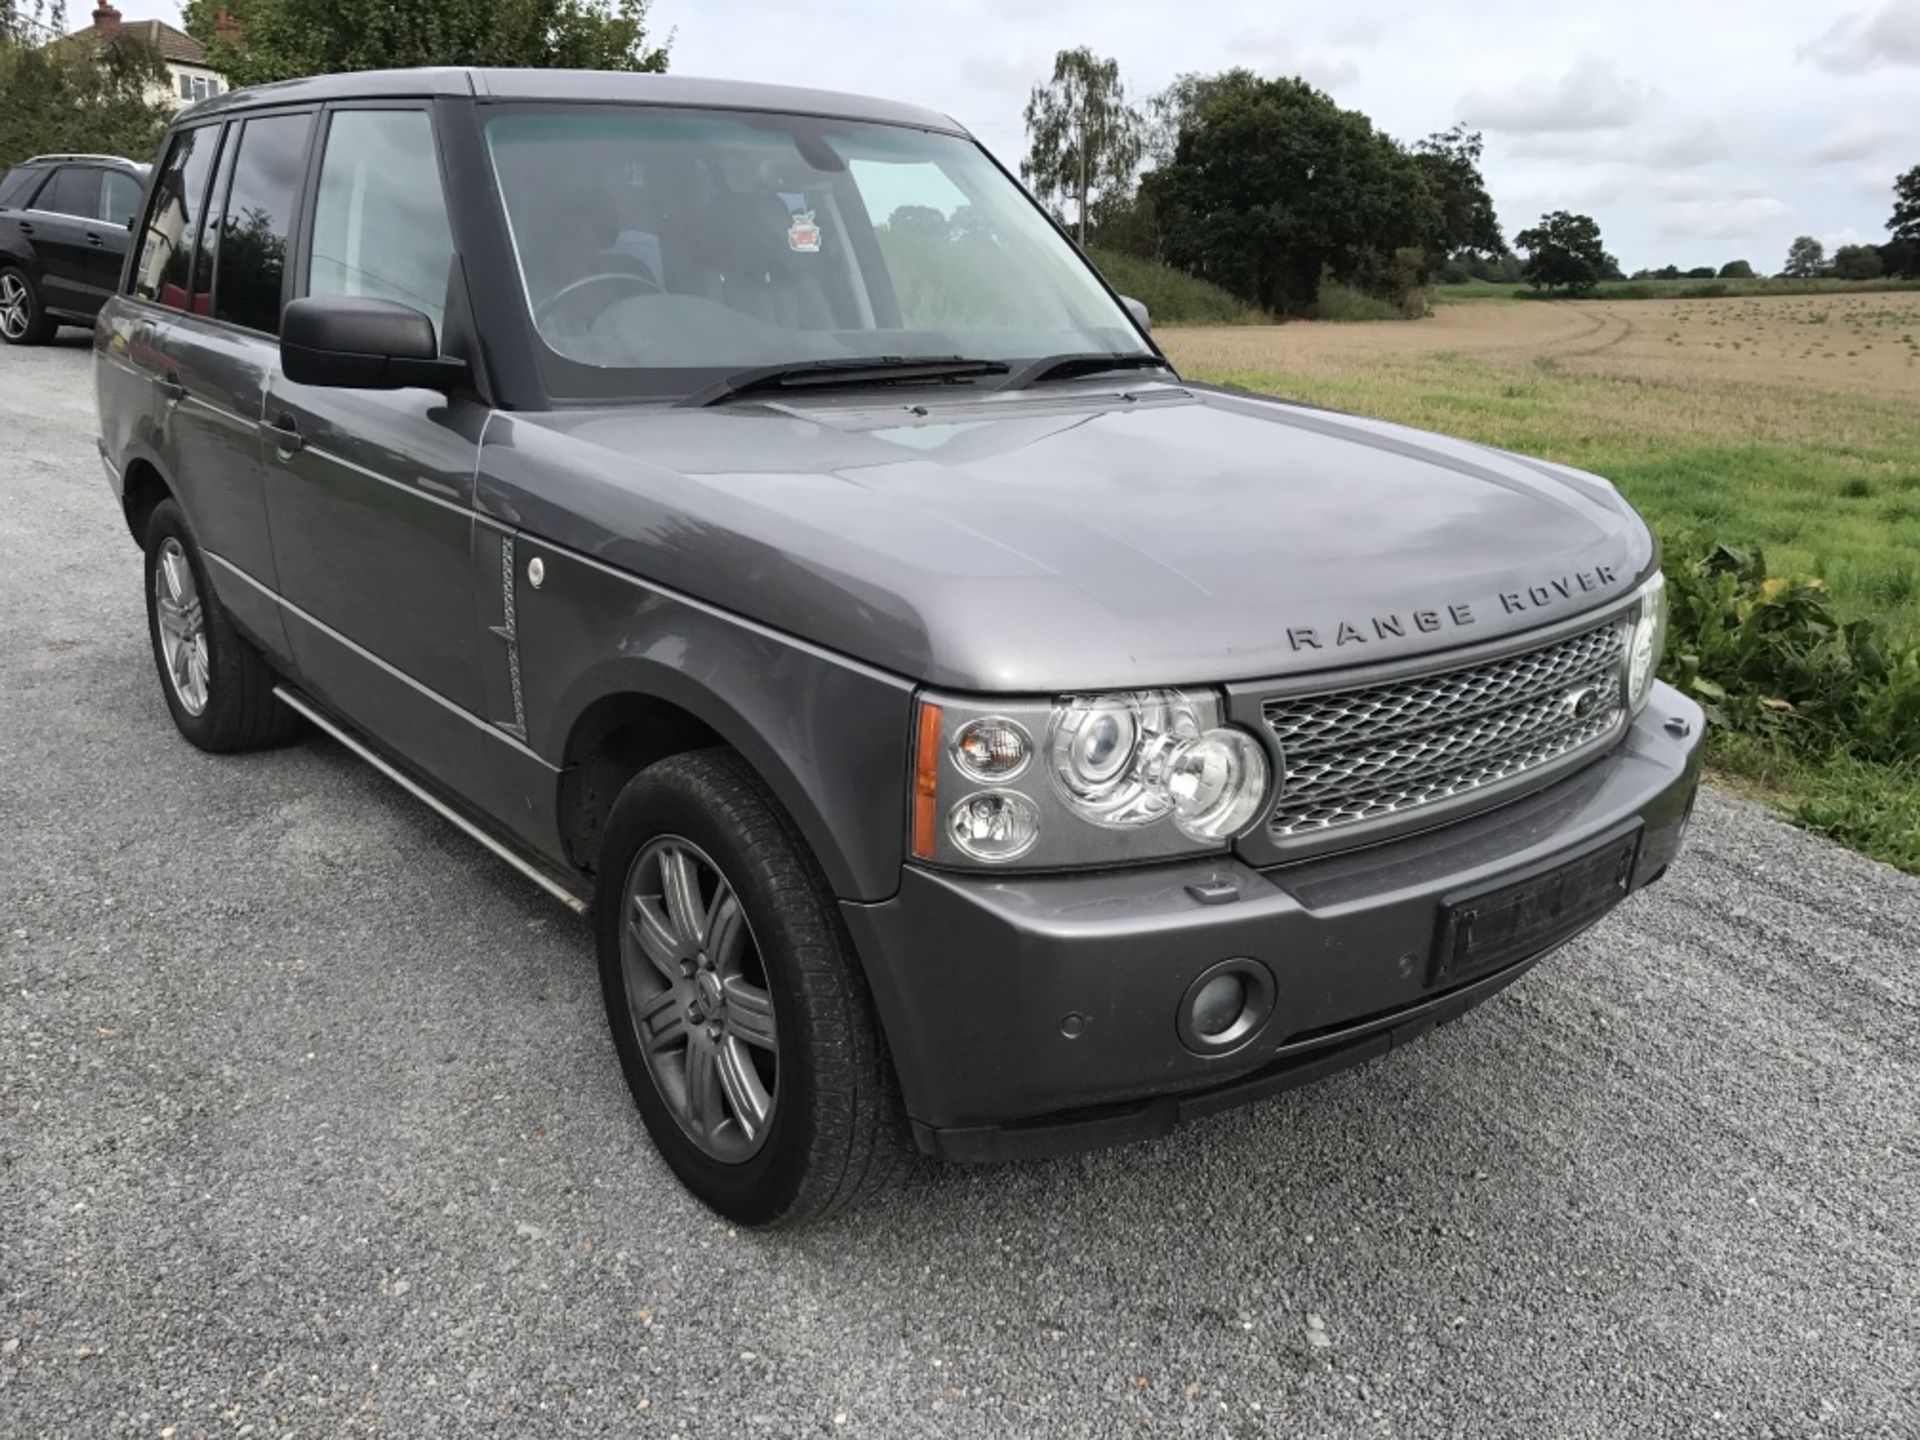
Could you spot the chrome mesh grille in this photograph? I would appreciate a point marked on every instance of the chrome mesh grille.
(1380, 750)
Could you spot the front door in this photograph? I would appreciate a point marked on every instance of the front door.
(119, 199)
(370, 493)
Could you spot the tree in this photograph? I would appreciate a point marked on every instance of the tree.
(1905, 223)
(1736, 270)
(1272, 185)
(1083, 139)
(1450, 161)
(1856, 262)
(63, 94)
(1564, 253)
(1806, 258)
(279, 39)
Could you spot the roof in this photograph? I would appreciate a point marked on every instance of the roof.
(116, 160)
(606, 86)
(174, 45)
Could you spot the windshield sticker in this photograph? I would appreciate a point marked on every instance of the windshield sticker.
(803, 235)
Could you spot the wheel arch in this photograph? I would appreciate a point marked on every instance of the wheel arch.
(633, 711)
(142, 489)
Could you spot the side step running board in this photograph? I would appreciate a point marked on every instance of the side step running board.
(439, 807)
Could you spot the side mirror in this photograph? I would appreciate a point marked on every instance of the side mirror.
(355, 343)
(1139, 313)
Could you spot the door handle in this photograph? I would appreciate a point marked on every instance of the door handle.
(171, 389)
(93, 238)
(26, 227)
(284, 434)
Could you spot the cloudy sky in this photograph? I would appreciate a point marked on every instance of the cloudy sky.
(1694, 132)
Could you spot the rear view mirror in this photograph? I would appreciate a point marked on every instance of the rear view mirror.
(356, 343)
(1139, 313)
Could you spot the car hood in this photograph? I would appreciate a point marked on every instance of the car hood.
(1075, 537)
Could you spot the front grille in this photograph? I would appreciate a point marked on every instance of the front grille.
(1383, 750)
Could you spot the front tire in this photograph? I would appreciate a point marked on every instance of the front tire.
(738, 1008)
(217, 686)
(23, 318)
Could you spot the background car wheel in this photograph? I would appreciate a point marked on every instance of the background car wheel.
(738, 1007)
(218, 686)
(23, 321)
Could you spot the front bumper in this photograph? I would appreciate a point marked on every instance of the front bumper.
(1035, 1014)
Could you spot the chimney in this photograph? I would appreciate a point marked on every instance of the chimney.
(106, 20)
(226, 27)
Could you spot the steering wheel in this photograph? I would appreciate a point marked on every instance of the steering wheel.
(640, 284)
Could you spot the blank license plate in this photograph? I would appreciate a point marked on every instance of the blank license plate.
(1523, 918)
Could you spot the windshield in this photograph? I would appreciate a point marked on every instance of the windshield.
(660, 249)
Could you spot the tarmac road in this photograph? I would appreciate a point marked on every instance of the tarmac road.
(309, 1125)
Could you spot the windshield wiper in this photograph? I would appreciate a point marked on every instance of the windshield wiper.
(849, 370)
(1089, 362)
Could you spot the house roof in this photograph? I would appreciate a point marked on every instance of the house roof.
(174, 45)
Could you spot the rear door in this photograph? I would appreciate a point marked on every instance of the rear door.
(64, 227)
(223, 345)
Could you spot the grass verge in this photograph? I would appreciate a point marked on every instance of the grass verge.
(1173, 297)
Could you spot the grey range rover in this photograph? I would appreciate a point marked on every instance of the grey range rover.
(743, 511)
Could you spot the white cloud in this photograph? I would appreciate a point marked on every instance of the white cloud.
(1009, 74)
(1700, 142)
(1594, 94)
(1867, 39)
(1276, 52)
(1724, 219)
(1682, 187)
(1855, 141)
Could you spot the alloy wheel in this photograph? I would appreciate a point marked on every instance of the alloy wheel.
(14, 307)
(182, 623)
(698, 999)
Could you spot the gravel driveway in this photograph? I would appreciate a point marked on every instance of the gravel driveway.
(309, 1124)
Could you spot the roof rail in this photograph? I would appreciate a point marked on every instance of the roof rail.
(42, 159)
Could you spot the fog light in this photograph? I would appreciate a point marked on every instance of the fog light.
(995, 825)
(1219, 1004)
(1225, 1006)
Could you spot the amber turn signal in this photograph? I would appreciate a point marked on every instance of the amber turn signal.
(926, 782)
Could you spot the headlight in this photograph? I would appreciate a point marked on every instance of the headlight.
(1133, 775)
(1646, 641)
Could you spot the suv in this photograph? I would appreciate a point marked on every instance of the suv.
(744, 512)
(63, 236)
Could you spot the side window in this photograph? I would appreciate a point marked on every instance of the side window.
(252, 236)
(380, 218)
(173, 214)
(119, 197)
(18, 186)
(74, 190)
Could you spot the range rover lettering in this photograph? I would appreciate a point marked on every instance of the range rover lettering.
(743, 511)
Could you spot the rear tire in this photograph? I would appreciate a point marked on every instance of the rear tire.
(23, 318)
(798, 1116)
(217, 686)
